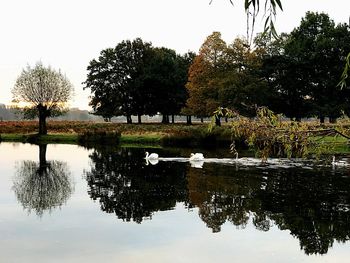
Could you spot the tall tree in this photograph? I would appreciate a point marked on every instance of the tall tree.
(115, 79)
(305, 72)
(321, 45)
(241, 87)
(202, 85)
(45, 90)
(165, 78)
(285, 78)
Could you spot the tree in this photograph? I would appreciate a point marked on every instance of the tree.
(241, 87)
(320, 45)
(284, 75)
(45, 90)
(165, 78)
(115, 79)
(204, 76)
(303, 69)
(135, 79)
(252, 8)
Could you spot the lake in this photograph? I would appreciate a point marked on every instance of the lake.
(67, 203)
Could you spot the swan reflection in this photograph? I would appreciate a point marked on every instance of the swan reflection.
(152, 161)
(197, 163)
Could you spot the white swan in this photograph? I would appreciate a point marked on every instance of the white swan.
(196, 157)
(152, 156)
(339, 163)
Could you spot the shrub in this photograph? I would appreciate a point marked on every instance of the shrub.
(89, 138)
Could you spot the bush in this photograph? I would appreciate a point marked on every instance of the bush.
(89, 138)
(199, 137)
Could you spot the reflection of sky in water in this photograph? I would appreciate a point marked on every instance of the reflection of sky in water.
(80, 232)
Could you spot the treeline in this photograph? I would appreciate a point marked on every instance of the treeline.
(11, 113)
(296, 75)
(7, 113)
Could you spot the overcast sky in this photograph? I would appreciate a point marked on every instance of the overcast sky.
(67, 34)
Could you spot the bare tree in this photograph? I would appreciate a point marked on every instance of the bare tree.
(45, 91)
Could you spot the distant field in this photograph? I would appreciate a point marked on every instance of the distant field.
(25, 127)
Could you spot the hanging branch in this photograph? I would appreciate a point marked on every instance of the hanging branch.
(268, 135)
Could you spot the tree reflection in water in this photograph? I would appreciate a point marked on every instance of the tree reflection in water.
(314, 205)
(126, 186)
(42, 186)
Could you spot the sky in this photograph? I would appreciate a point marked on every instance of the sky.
(68, 34)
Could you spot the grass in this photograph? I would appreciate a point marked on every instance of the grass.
(125, 140)
(333, 144)
(131, 134)
(150, 134)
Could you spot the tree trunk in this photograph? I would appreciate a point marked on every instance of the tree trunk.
(173, 118)
(128, 119)
(42, 154)
(226, 119)
(202, 119)
(165, 119)
(332, 120)
(217, 121)
(189, 120)
(139, 119)
(322, 119)
(42, 119)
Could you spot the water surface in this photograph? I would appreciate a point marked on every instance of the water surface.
(65, 203)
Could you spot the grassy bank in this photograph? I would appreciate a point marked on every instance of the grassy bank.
(144, 134)
(154, 135)
(74, 139)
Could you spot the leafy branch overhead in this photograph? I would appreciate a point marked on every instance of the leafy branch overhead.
(252, 9)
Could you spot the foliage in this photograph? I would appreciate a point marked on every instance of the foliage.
(302, 69)
(252, 9)
(165, 78)
(191, 138)
(89, 138)
(202, 85)
(135, 78)
(45, 90)
(226, 76)
(114, 78)
(269, 136)
(345, 73)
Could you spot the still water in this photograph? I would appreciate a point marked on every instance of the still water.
(66, 203)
